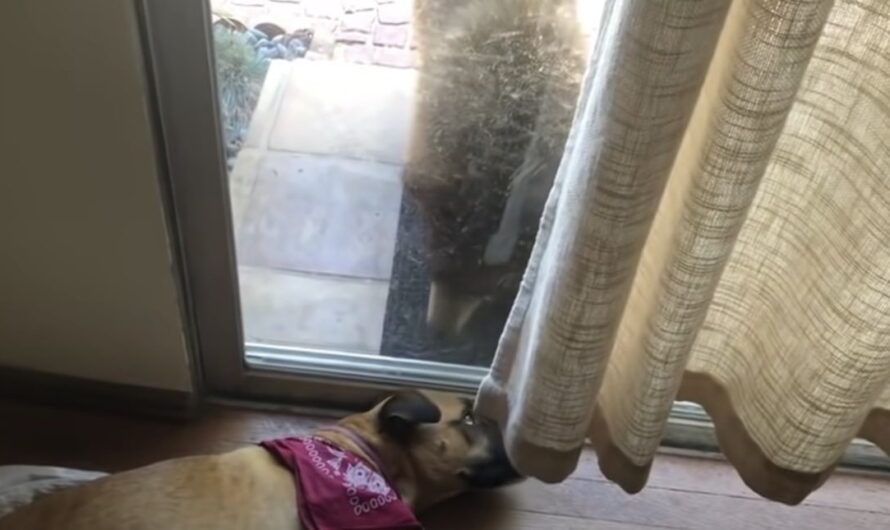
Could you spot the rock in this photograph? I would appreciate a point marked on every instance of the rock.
(297, 48)
(305, 36)
(232, 149)
(257, 33)
(269, 28)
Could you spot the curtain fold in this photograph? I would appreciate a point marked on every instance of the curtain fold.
(719, 231)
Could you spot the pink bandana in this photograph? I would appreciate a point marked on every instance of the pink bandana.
(337, 490)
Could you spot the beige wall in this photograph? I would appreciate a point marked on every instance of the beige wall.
(86, 284)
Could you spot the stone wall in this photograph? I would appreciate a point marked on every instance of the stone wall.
(357, 31)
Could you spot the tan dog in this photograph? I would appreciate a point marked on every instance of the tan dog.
(431, 446)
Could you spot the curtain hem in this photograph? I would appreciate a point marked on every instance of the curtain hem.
(613, 463)
(758, 472)
(754, 467)
(530, 459)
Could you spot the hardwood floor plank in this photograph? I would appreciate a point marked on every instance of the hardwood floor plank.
(856, 491)
(690, 510)
(683, 492)
(518, 520)
(110, 442)
(498, 511)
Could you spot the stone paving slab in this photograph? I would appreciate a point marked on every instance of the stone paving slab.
(322, 214)
(309, 311)
(315, 198)
(347, 110)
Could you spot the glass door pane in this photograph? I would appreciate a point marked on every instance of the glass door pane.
(387, 166)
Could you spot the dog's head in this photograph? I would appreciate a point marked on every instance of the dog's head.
(435, 445)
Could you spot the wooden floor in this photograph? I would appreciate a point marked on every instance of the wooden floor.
(683, 492)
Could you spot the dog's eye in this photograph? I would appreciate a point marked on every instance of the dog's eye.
(468, 419)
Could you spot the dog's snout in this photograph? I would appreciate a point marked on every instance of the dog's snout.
(496, 470)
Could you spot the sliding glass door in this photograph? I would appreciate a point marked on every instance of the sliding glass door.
(348, 206)
(351, 215)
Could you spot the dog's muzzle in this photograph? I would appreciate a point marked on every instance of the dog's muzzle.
(496, 470)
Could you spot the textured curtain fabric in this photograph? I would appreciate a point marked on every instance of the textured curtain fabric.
(719, 231)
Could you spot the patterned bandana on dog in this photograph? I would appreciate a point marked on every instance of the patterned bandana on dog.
(337, 490)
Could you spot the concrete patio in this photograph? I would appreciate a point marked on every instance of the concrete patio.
(315, 193)
(316, 189)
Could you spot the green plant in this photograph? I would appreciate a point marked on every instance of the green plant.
(240, 72)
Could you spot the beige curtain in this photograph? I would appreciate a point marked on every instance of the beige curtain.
(719, 231)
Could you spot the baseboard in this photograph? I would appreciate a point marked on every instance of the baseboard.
(81, 393)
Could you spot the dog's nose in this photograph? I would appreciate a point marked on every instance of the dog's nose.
(505, 472)
(508, 474)
(493, 474)
(497, 470)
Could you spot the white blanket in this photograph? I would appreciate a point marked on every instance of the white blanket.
(20, 484)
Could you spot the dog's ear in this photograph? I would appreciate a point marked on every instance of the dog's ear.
(402, 413)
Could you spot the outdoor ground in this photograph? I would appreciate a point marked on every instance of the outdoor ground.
(316, 186)
(315, 196)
